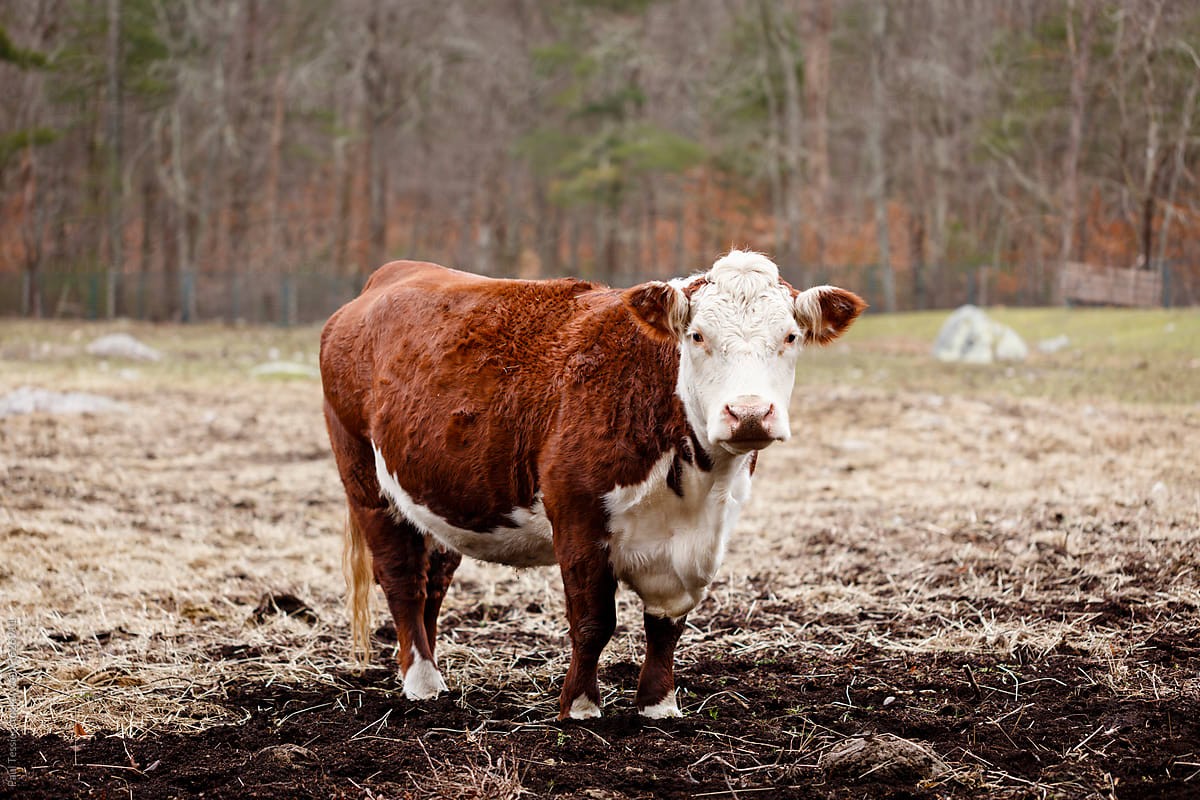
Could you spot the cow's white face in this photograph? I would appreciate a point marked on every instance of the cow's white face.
(740, 330)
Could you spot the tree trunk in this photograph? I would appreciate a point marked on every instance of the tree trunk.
(274, 162)
(791, 133)
(775, 181)
(116, 255)
(343, 186)
(1078, 49)
(650, 264)
(1178, 168)
(632, 265)
(1153, 165)
(546, 218)
(682, 267)
(177, 305)
(916, 255)
(573, 243)
(151, 231)
(816, 95)
(244, 99)
(876, 122)
(31, 232)
(375, 165)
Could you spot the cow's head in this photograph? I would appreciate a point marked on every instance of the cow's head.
(740, 329)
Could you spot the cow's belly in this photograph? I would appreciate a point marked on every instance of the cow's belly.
(528, 544)
(668, 548)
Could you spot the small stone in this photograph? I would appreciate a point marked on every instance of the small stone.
(31, 400)
(284, 369)
(1054, 344)
(122, 345)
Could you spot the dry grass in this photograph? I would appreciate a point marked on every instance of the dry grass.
(919, 509)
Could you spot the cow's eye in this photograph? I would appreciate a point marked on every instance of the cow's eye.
(697, 337)
(791, 337)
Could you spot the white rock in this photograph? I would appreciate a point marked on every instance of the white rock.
(969, 337)
(30, 400)
(1055, 344)
(1009, 346)
(285, 369)
(122, 345)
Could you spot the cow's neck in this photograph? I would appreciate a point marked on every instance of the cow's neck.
(726, 465)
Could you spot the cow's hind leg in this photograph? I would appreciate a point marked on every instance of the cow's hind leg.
(398, 556)
(656, 686)
(402, 556)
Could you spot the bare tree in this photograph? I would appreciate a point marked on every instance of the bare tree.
(876, 131)
(1079, 44)
(818, 27)
(116, 220)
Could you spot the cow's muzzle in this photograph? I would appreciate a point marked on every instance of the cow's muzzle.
(752, 423)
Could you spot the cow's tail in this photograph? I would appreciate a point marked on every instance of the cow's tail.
(356, 566)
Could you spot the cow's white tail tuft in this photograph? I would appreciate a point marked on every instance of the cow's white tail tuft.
(356, 566)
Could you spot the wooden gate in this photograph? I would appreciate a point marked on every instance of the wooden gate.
(1112, 286)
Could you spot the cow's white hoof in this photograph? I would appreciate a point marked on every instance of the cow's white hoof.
(584, 708)
(422, 681)
(663, 709)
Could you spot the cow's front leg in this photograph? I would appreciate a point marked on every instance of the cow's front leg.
(590, 587)
(656, 686)
(442, 564)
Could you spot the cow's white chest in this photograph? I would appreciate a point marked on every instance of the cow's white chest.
(528, 544)
(668, 548)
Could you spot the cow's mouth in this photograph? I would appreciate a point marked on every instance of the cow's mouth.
(745, 444)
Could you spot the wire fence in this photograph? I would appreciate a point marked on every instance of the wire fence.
(295, 298)
(257, 298)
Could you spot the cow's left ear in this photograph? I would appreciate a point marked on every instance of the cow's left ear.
(825, 312)
(660, 307)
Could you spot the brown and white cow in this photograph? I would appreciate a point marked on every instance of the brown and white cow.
(612, 432)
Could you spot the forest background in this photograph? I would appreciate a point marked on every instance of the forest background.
(256, 159)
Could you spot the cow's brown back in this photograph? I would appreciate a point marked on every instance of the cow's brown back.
(456, 379)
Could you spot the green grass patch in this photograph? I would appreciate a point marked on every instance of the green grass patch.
(1143, 356)
(1128, 355)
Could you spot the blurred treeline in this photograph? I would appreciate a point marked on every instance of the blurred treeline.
(923, 151)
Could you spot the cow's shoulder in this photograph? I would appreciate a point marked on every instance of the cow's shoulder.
(617, 412)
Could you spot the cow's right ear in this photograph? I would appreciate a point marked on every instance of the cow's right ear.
(661, 309)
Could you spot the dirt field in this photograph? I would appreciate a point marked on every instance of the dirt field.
(980, 561)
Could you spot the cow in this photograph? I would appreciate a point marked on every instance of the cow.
(610, 432)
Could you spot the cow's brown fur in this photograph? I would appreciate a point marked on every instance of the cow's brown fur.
(480, 394)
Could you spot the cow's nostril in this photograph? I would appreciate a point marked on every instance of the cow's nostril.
(732, 412)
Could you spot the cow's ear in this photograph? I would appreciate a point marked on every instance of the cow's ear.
(825, 312)
(660, 307)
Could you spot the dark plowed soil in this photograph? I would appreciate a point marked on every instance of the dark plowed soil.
(754, 729)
